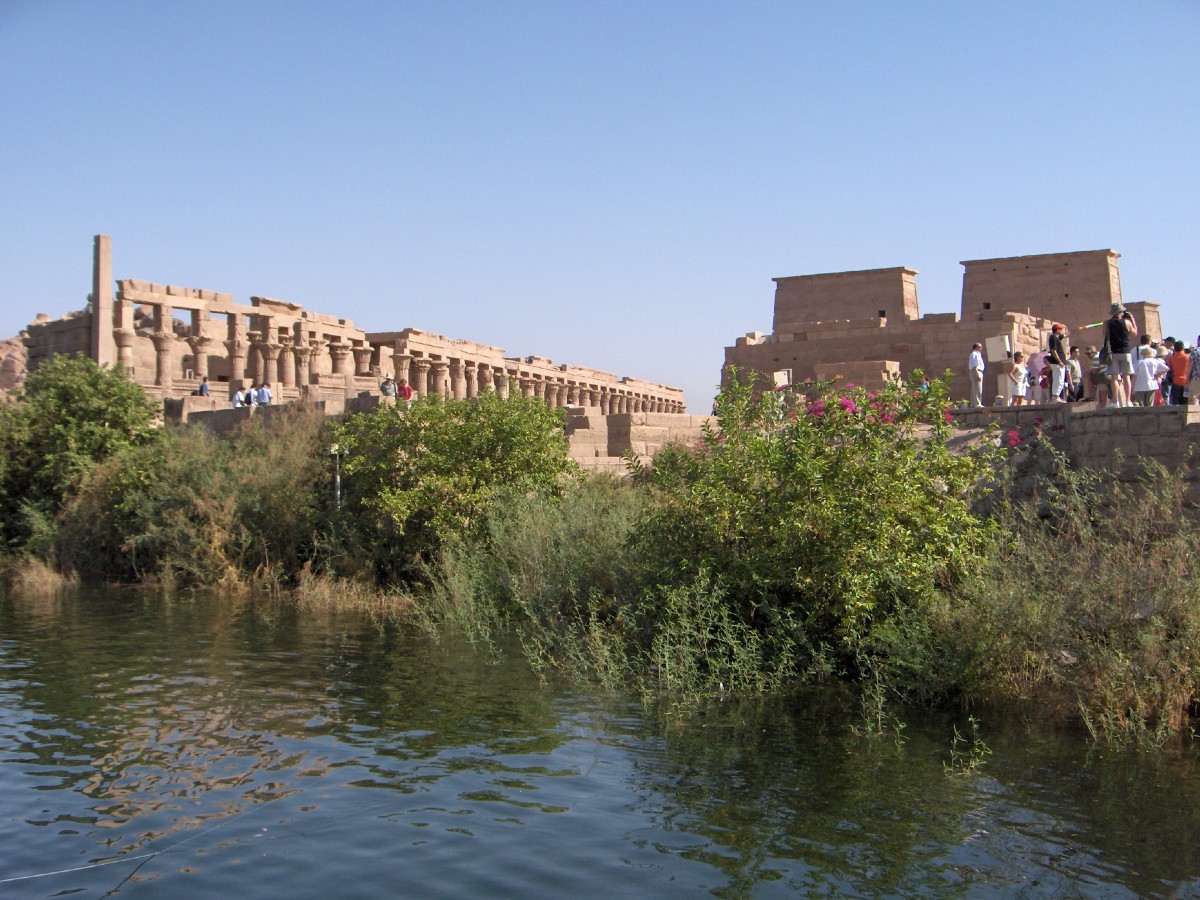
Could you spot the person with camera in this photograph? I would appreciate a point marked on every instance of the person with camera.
(1119, 330)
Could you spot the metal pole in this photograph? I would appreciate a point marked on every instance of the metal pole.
(337, 480)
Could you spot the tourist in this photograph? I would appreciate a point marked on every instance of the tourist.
(1058, 363)
(251, 397)
(1118, 331)
(1149, 369)
(239, 399)
(405, 392)
(1164, 351)
(1098, 373)
(975, 367)
(1045, 379)
(264, 395)
(1018, 377)
(1075, 376)
(1180, 364)
(203, 389)
(1194, 371)
(388, 389)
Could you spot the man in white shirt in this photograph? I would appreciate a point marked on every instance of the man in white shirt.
(975, 367)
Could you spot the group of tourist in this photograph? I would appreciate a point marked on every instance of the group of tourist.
(254, 395)
(393, 390)
(1115, 374)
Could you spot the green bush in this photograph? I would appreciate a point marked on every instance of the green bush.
(827, 517)
(552, 565)
(196, 510)
(415, 478)
(70, 416)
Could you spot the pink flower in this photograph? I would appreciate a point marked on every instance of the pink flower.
(1012, 438)
(848, 405)
(948, 417)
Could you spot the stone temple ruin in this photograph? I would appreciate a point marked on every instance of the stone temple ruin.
(866, 326)
(168, 338)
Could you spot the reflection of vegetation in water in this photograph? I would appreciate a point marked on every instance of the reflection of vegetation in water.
(162, 718)
(153, 711)
(784, 791)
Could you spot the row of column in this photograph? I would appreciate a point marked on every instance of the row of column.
(285, 359)
(288, 360)
(465, 379)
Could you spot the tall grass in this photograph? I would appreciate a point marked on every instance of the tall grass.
(557, 569)
(27, 576)
(1091, 607)
(194, 510)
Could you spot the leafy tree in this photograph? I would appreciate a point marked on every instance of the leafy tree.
(71, 415)
(416, 477)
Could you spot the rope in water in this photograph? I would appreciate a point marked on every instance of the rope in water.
(143, 856)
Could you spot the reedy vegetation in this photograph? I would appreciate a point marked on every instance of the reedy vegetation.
(824, 533)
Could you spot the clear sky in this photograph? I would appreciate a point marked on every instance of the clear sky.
(609, 184)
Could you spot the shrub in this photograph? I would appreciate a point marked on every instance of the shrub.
(826, 517)
(70, 416)
(418, 477)
(199, 511)
(1091, 606)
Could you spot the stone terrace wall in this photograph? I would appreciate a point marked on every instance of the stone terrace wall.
(599, 442)
(1108, 439)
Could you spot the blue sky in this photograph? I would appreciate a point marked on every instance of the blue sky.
(610, 184)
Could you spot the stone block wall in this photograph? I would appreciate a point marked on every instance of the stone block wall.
(867, 294)
(831, 322)
(1110, 439)
(599, 442)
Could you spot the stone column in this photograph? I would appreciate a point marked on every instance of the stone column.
(472, 384)
(458, 384)
(104, 341)
(526, 387)
(486, 382)
(254, 358)
(593, 396)
(438, 375)
(236, 346)
(362, 360)
(270, 359)
(163, 342)
(199, 346)
(420, 379)
(287, 362)
(403, 364)
(124, 338)
(501, 382)
(339, 353)
(303, 357)
(124, 335)
(539, 389)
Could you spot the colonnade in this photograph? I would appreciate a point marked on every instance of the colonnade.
(466, 378)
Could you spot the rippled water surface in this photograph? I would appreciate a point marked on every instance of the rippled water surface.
(199, 747)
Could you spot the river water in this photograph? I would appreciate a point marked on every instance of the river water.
(204, 747)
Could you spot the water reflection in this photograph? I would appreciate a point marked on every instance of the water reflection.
(200, 741)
